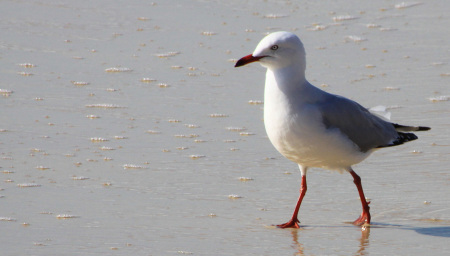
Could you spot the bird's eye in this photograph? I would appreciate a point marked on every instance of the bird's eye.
(274, 47)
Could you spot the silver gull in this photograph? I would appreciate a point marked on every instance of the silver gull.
(314, 128)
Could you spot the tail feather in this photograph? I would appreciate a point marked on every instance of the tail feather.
(404, 128)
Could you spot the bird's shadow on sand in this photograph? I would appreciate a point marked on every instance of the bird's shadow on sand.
(434, 231)
(364, 241)
(442, 231)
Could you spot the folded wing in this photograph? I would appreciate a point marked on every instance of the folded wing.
(365, 129)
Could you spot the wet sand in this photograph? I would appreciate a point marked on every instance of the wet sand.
(125, 129)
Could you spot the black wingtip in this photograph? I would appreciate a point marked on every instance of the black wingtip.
(403, 137)
(404, 134)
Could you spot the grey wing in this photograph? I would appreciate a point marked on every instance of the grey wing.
(365, 129)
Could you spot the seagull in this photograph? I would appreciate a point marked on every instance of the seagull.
(314, 128)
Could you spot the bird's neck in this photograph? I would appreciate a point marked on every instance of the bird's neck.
(288, 79)
(290, 85)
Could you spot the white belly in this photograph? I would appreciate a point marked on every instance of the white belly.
(315, 150)
(298, 133)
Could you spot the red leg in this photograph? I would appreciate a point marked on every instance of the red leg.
(293, 223)
(365, 215)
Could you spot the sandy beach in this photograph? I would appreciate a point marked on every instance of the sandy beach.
(126, 129)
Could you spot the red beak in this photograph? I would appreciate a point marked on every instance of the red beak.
(247, 59)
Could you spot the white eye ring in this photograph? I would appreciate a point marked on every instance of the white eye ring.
(274, 47)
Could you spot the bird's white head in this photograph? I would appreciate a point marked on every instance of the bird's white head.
(277, 50)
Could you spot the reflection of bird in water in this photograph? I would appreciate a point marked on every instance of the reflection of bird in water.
(312, 127)
(363, 242)
(297, 246)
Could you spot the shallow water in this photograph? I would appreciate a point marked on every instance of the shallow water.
(126, 129)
